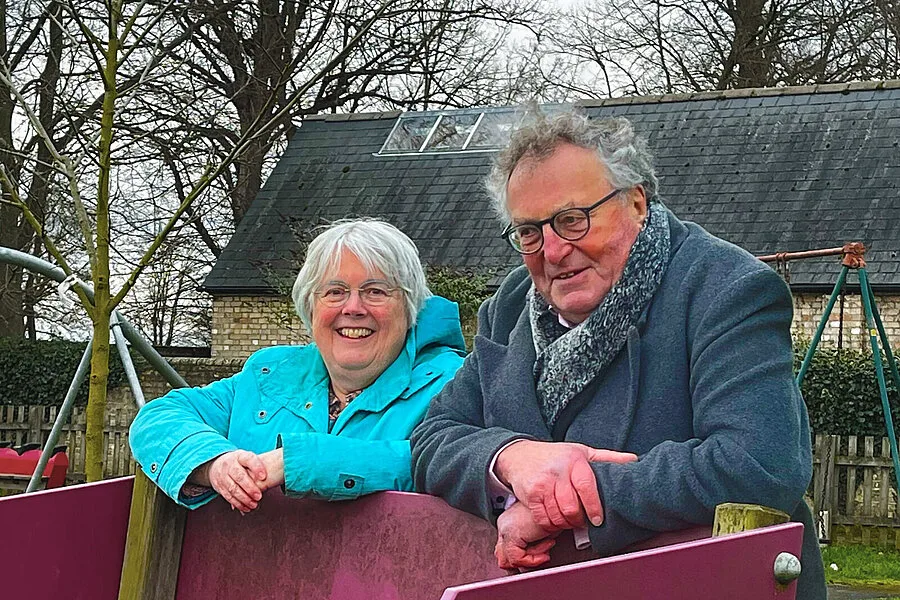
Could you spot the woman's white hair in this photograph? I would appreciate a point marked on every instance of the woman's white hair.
(620, 150)
(378, 245)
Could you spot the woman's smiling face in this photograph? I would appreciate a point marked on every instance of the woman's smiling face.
(358, 341)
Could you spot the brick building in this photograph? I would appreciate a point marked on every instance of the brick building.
(772, 170)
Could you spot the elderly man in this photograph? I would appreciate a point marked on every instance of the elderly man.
(635, 373)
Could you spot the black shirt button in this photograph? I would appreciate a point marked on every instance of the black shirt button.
(349, 484)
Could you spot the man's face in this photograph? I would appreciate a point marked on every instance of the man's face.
(575, 276)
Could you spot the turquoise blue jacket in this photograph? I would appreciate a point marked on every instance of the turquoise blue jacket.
(281, 397)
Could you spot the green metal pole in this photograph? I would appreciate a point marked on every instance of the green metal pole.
(868, 302)
(886, 346)
(807, 360)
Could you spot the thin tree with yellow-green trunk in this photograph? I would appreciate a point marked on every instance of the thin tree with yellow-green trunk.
(108, 40)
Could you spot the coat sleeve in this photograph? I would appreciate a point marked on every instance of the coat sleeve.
(173, 435)
(751, 439)
(337, 467)
(452, 449)
(331, 467)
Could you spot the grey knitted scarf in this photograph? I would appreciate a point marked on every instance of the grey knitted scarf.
(569, 359)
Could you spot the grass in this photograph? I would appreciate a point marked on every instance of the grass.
(863, 566)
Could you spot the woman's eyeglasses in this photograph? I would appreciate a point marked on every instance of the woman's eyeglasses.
(335, 295)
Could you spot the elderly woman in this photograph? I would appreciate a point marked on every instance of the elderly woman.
(331, 419)
(632, 375)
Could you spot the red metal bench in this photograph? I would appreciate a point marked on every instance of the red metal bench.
(17, 467)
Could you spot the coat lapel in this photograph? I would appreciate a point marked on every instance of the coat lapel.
(633, 347)
(507, 382)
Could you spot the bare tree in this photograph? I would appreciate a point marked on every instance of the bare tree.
(248, 58)
(199, 85)
(666, 46)
(108, 39)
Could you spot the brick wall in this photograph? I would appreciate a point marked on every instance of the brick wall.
(244, 324)
(809, 308)
(241, 325)
(196, 371)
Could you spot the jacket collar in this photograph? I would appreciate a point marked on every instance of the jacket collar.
(296, 378)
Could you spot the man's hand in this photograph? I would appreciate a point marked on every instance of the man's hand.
(521, 543)
(554, 480)
(237, 475)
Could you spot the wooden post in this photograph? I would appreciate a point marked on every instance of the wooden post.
(734, 518)
(35, 416)
(153, 545)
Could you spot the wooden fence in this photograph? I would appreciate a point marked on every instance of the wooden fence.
(27, 424)
(854, 490)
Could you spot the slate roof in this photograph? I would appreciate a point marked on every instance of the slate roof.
(783, 169)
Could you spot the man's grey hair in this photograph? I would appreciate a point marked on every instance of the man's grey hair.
(622, 152)
(379, 246)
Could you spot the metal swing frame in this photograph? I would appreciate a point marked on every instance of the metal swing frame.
(853, 258)
(122, 330)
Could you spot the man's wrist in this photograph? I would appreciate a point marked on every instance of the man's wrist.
(502, 461)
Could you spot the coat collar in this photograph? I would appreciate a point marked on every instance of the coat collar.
(301, 377)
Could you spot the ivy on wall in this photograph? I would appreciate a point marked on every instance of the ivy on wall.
(39, 373)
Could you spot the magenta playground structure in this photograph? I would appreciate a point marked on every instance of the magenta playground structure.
(71, 543)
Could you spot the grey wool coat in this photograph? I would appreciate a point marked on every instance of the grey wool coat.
(703, 392)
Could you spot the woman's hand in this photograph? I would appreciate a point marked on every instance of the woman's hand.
(273, 461)
(238, 477)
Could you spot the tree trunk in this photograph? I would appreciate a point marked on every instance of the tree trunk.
(747, 64)
(12, 322)
(96, 409)
(249, 180)
(94, 450)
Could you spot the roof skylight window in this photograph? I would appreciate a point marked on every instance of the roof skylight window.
(409, 134)
(451, 131)
(494, 130)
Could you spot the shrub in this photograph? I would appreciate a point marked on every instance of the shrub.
(468, 289)
(39, 373)
(841, 391)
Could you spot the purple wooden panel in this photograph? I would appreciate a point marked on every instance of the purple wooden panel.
(388, 546)
(65, 543)
(737, 567)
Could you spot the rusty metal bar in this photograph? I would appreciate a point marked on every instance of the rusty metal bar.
(853, 253)
(783, 256)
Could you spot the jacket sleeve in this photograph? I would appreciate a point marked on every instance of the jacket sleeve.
(173, 435)
(452, 449)
(331, 467)
(751, 439)
(337, 467)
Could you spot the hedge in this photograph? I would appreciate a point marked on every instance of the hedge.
(39, 373)
(840, 388)
(841, 392)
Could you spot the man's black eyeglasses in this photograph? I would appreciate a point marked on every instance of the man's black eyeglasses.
(570, 224)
